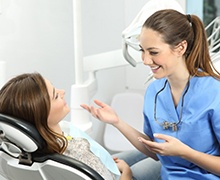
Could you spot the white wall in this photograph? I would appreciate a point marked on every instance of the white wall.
(37, 35)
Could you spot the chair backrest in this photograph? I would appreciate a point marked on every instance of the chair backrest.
(21, 156)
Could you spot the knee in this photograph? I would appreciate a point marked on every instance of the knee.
(146, 170)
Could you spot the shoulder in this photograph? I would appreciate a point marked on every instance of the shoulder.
(205, 84)
(204, 89)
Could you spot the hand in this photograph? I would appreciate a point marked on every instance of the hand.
(104, 113)
(170, 147)
(123, 168)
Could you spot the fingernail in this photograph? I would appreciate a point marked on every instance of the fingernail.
(155, 134)
(139, 139)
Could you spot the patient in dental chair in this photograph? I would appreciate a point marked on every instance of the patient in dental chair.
(32, 98)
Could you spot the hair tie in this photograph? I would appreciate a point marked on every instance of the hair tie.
(189, 18)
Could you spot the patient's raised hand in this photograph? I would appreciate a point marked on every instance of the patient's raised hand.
(103, 112)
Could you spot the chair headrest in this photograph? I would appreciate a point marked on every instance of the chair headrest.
(17, 135)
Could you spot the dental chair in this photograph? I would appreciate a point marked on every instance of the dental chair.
(21, 156)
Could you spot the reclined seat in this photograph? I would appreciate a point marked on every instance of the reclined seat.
(21, 157)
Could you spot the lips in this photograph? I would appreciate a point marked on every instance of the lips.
(155, 68)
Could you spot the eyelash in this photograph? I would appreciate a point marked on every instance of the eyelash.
(151, 52)
(141, 50)
(56, 95)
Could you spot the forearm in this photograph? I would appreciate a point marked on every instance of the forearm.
(132, 135)
(208, 162)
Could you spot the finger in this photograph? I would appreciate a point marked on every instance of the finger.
(94, 112)
(143, 140)
(84, 106)
(148, 143)
(99, 113)
(93, 109)
(162, 136)
(155, 151)
(115, 158)
(99, 103)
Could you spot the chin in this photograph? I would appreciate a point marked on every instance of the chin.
(158, 77)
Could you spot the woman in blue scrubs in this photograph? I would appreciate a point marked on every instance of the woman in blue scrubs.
(182, 106)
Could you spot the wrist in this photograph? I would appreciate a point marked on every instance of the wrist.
(117, 122)
(127, 173)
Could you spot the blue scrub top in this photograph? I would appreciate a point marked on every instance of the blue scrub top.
(199, 127)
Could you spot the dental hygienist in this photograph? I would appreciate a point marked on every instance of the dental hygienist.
(182, 106)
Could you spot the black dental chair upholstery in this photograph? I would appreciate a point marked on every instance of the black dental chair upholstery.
(21, 157)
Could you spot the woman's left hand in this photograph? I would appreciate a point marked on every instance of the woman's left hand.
(170, 147)
(123, 167)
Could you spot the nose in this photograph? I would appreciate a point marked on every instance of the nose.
(146, 59)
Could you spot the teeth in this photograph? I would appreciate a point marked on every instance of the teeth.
(156, 67)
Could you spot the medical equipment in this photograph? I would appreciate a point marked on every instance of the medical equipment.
(165, 123)
(21, 156)
(214, 39)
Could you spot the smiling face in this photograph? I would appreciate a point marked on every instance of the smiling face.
(158, 55)
(58, 109)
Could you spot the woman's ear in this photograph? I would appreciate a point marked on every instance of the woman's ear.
(181, 48)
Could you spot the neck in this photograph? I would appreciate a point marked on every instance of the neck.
(177, 86)
(57, 129)
(179, 81)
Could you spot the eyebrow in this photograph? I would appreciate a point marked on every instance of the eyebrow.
(150, 48)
